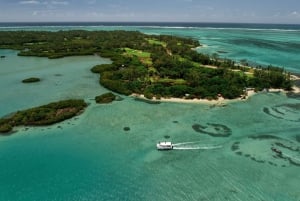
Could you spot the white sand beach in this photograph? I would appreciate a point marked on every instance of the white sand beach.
(220, 101)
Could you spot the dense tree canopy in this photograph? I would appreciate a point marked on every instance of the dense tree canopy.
(43, 115)
(105, 98)
(155, 65)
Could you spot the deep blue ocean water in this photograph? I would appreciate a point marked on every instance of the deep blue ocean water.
(223, 153)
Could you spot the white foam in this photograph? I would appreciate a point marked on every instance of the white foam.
(197, 148)
(183, 143)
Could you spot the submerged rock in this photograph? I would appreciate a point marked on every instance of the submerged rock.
(31, 80)
(222, 52)
(126, 128)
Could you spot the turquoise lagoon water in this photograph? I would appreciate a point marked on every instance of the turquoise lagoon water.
(225, 152)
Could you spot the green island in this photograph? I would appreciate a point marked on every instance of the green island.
(31, 80)
(153, 65)
(43, 115)
(105, 98)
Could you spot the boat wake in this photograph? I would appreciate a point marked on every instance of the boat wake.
(184, 143)
(196, 147)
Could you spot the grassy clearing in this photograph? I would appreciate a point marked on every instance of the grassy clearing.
(138, 53)
(156, 42)
(172, 81)
(180, 58)
(144, 57)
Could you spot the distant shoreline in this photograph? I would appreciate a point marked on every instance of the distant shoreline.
(127, 23)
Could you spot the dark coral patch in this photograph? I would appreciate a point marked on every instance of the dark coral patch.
(31, 80)
(289, 112)
(279, 144)
(279, 149)
(264, 137)
(293, 95)
(298, 138)
(235, 146)
(152, 102)
(126, 128)
(215, 130)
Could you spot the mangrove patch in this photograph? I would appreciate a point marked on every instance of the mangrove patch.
(43, 115)
(105, 98)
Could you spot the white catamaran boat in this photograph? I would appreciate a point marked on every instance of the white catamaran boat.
(164, 146)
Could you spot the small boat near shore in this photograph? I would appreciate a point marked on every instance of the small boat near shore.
(164, 146)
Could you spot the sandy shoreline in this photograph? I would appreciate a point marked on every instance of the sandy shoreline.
(296, 88)
(220, 101)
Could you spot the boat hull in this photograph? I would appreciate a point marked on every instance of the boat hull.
(164, 146)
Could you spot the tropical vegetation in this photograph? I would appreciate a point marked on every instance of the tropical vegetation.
(43, 115)
(153, 65)
(105, 98)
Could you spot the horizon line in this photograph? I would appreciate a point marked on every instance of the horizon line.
(148, 22)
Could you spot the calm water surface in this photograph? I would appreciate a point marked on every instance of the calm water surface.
(222, 153)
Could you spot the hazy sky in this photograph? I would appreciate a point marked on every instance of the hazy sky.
(262, 11)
